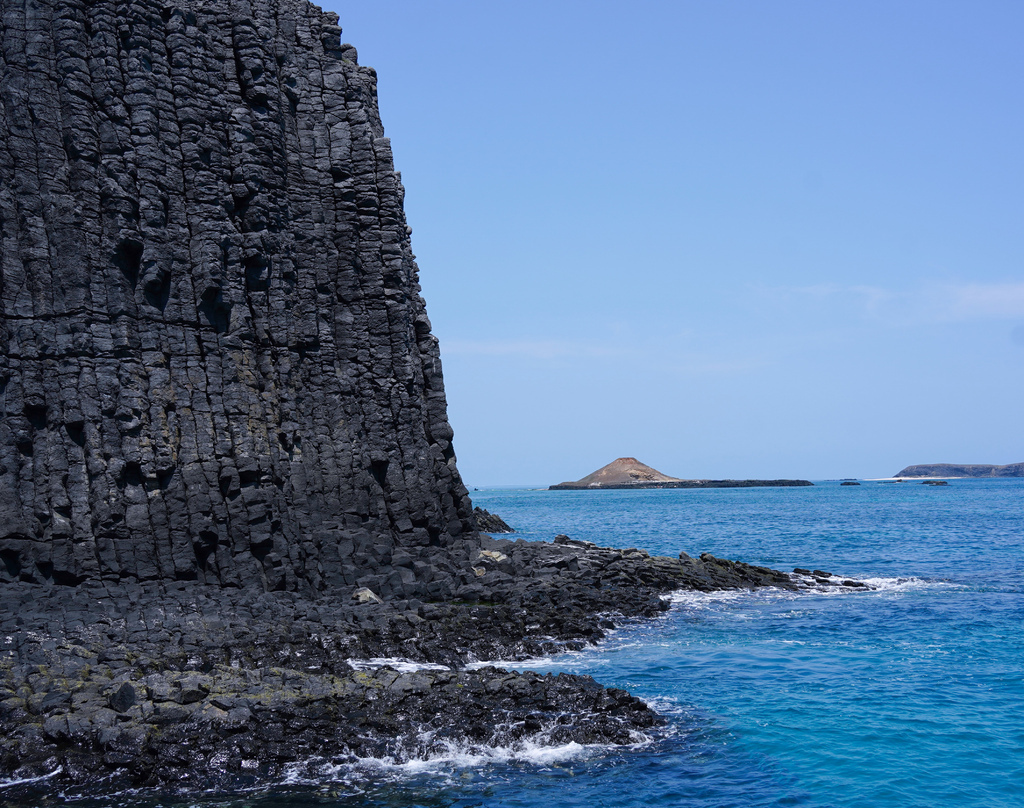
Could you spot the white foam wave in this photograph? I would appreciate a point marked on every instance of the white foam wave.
(587, 658)
(523, 664)
(399, 664)
(665, 705)
(703, 600)
(906, 584)
(691, 597)
(25, 780)
(879, 584)
(466, 756)
(445, 756)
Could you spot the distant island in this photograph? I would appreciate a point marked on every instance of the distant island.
(962, 470)
(628, 472)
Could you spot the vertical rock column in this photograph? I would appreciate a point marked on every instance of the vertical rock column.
(215, 362)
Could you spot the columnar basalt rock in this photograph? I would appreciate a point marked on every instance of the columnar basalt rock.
(215, 363)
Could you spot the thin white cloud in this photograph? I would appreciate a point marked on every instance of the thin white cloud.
(924, 303)
(871, 297)
(710, 366)
(870, 301)
(981, 301)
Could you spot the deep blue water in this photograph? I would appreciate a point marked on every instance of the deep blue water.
(909, 695)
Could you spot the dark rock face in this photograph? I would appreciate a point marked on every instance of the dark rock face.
(214, 360)
(958, 470)
(490, 522)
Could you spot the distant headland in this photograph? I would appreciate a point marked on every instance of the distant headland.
(628, 472)
(962, 470)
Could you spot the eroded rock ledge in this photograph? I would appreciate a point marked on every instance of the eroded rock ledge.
(489, 522)
(184, 682)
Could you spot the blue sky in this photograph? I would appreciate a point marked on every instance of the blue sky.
(732, 239)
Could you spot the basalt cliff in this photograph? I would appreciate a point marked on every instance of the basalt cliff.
(227, 481)
(215, 363)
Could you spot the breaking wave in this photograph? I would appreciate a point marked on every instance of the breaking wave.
(21, 781)
(697, 600)
(399, 664)
(439, 756)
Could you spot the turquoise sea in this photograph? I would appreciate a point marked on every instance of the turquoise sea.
(908, 695)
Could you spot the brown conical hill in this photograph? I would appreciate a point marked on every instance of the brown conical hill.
(623, 471)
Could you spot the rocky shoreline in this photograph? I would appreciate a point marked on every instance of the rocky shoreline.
(185, 684)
